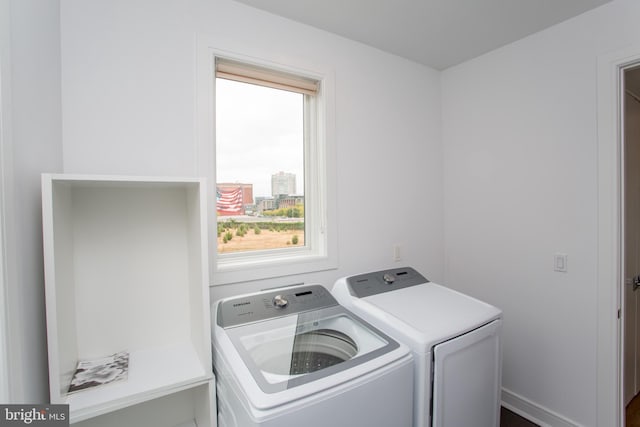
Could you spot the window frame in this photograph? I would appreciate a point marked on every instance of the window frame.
(320, 250)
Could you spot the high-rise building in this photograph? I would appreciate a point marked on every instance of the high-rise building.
(283, 184)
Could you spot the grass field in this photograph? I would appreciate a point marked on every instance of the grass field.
(265, 240)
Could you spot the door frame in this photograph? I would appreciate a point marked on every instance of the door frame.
(610, 279)
(626, 273)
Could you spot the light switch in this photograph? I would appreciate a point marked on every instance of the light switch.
(560, 263)
(397, 257)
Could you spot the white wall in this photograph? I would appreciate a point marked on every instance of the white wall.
(128, 108)
(31, 144)
(5, 135)
(520, 158)
(520, 184)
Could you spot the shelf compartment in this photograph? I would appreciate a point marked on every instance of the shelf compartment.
(126, 269)
(187, 408)
(149, 378)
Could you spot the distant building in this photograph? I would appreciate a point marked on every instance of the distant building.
(283, 184)
(231, 198)
(266, 204)
(290, 202)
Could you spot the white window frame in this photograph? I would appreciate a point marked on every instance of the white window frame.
(320, 250)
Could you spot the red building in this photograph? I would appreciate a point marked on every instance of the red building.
(231, 199)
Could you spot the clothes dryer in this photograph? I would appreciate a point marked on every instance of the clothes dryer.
(454, 338)
(294, 357)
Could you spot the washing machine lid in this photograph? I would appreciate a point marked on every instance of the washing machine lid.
(287, 338)
(421, 312)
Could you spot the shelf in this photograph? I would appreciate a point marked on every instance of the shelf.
(187, 408)
(152, 373)
(126, 268)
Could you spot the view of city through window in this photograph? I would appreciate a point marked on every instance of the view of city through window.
(259, 167)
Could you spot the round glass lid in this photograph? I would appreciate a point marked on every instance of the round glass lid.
(309, 352)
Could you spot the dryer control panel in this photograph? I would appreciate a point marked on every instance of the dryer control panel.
(268, 304)
(378, 282)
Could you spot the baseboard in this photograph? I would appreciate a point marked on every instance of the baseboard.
(534, 412)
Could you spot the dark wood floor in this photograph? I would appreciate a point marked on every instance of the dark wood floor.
(510, 419)
(632, 413)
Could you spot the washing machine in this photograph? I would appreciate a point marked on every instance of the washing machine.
(294, 357)
(454, 339)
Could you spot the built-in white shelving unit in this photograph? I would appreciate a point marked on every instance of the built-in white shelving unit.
(126, 269)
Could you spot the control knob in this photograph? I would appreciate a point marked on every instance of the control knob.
(280, 301)
(388, 278)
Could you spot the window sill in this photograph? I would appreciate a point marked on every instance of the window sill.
(246, 269)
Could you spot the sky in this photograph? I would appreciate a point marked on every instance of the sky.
(259, 132)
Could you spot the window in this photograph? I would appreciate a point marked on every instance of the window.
(262, 134)
(271, 154)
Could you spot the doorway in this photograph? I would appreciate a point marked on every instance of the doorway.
(610, 275)
(630, 293)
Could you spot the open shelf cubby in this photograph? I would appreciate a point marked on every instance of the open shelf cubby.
(187, 408)
(126, 270)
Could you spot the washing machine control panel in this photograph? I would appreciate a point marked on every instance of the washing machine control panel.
(267, 305)
(378, 282)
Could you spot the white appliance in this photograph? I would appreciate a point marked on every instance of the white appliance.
(454, 338)
(293, 357)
